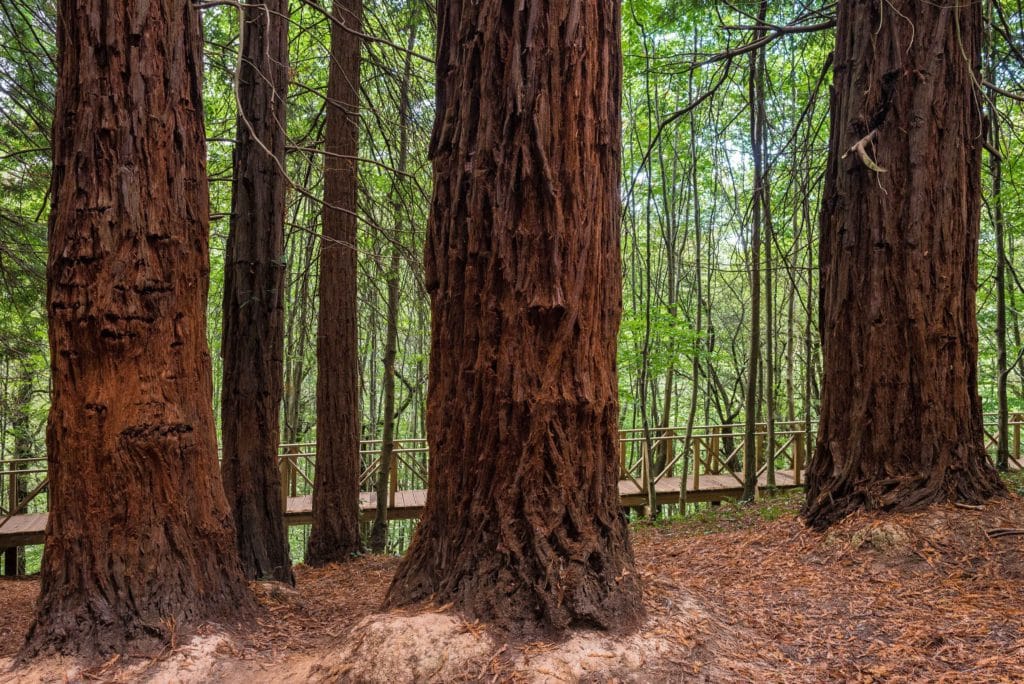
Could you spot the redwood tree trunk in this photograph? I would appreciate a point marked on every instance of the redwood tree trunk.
(253, 346)
(140, 541)
(335, 533)
(522, 523)
(901, 423)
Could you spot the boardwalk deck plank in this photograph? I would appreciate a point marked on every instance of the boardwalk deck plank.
(22, 530)
(29, 529)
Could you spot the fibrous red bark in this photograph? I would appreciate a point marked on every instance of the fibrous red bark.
(139, 542)
(253, 334)
(901, 423)
(334, 535)
(522, 523)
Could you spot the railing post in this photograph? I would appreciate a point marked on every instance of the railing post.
(293, 472)
(798, 456)
(622, 458)
(696, 466)
(12, 491)
(425, 461)
(716, 464)
(11, 555)
(759, 446)
(669, 440)
(648, 476)
(283, 467)
(1016, 436)
(393, 480)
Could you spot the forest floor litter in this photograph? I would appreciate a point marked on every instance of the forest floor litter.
(732, 594)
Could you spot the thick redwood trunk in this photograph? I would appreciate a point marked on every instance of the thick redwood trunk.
(522, 523)
(139, 542)
(901, 422)
(335, 532)
(253, 346)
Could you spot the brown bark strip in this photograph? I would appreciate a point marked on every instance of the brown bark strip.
(335, 532)
(139, 542)
(522, 524)
(253, 334)
(901, 423)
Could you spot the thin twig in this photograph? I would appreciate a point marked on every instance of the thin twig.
(860, 148)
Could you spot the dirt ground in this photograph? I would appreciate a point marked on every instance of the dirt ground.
(732, 595)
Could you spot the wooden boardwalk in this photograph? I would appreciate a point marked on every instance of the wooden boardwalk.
(705, 455)
(21, 530)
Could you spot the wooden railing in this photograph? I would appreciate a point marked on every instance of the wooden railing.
(408, 466)
(647, 457)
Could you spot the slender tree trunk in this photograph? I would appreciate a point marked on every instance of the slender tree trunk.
(647, 456)
(670, 236)
(334, 535)
(792, 268)
(665, 447)
(771, 330)
(300, 333)
(756, 93)
(1014, 317)
(995, 169)
(698, 276)
(140, 541)
(664, 451)
(21, 426)
(901, 423)
(770, 333)
(296, 344)
(522, 524)
(379, 531)
(790, 330)
(809, 399)
(253, 333)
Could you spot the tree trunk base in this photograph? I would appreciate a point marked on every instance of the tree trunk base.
(516, 607)
(337, 546)
(544, 579)
(832, 497)
(88, 626)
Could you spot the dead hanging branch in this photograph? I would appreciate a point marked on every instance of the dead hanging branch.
(860, 147)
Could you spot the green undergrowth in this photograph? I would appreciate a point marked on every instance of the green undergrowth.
(1015, 482)
(729, 515)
